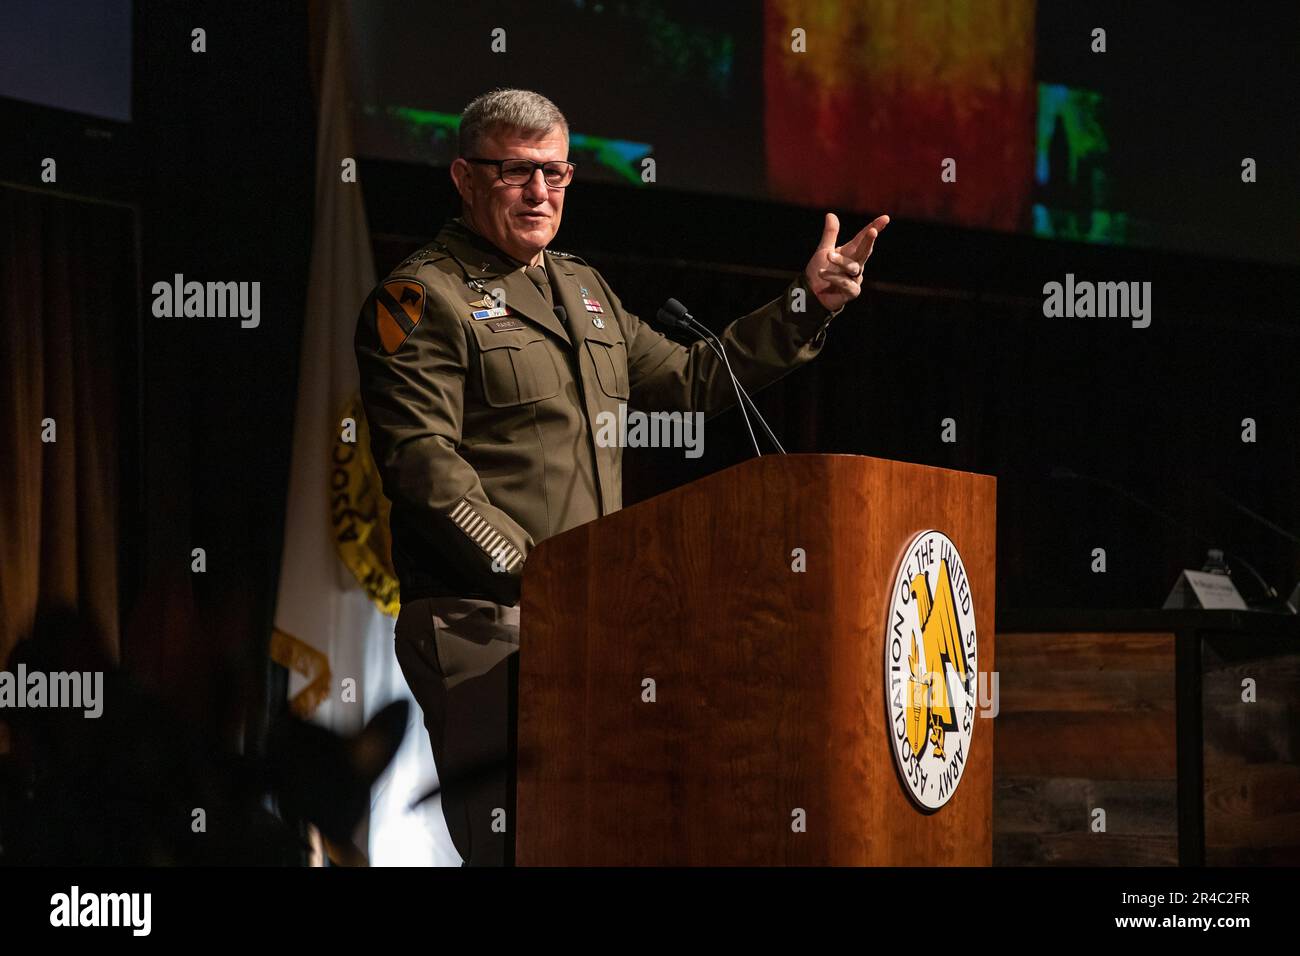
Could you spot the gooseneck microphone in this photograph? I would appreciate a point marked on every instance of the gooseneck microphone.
(674, 315)
(1061, 472)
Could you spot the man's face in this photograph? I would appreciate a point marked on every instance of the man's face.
(519, 220)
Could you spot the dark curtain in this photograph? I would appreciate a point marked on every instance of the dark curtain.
(67, 290)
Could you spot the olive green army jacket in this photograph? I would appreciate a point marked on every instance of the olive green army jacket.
(480, 401)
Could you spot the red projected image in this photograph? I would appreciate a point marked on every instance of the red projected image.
(907, 96)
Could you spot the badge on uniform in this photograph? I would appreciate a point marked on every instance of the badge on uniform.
(591, 304)
(597, 321)
(482, 314)
(399, 305)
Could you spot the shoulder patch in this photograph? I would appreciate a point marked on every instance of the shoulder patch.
(399, 306)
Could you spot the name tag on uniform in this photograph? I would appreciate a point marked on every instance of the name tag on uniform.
(505, 325)
(482, 314)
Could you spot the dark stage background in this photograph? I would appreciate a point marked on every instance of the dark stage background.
(217, 166)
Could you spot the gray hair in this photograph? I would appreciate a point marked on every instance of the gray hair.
(519, 110)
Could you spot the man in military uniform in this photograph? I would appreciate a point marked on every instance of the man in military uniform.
(485, 359)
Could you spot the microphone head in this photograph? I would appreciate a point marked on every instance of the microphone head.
(672, 314)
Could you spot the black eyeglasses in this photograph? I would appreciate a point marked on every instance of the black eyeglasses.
(519, 172)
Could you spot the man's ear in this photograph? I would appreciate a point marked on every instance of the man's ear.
(460, 173)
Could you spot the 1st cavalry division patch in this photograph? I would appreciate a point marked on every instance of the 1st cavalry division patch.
(399, 304)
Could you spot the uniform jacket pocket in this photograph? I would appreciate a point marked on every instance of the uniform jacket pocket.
(610, 360)
(516, 367)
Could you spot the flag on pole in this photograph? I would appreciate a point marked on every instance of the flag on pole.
(338, 597)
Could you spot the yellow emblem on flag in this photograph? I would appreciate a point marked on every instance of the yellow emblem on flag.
(301, 658)
(359, 512)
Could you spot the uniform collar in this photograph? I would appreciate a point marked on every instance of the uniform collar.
(480, 256)
(482, 260)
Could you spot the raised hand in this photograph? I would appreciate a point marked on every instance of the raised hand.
(834, 272)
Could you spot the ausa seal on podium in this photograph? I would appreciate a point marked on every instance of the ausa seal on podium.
(485, 357)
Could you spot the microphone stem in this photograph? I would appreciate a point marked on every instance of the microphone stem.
(706, 335)
(720, 350)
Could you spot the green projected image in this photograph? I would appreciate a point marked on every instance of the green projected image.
(1072, 194)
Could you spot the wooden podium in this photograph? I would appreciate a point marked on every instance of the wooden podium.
(768, 684)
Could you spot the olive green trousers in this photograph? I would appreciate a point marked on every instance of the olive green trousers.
(454, 654)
